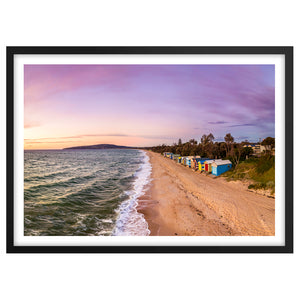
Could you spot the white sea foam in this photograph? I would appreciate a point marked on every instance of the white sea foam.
(130, 221)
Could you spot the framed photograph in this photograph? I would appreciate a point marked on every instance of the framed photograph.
(149, 149)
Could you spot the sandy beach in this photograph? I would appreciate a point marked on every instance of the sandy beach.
(183, 202)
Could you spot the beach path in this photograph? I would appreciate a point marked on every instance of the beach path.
(183, 202)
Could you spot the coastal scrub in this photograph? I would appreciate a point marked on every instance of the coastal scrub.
(260, 171)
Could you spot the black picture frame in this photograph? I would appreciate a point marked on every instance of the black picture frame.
(288, 60)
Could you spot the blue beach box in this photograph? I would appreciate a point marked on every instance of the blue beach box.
(221, 166)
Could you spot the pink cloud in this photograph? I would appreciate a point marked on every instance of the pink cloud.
(30, 124)
(42, 81)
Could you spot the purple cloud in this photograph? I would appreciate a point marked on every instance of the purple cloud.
(242, 125)
(218, 122)
(151, 101)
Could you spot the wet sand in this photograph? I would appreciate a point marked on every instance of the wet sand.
(180, 201)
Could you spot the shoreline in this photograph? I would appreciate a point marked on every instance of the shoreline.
(179, 201)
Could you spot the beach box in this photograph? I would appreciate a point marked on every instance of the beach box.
(188, 161)
(207, 165)
(219, 167)
(194, 163)
(201, 164)
(175, 156)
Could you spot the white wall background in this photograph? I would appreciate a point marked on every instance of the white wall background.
(147, 23)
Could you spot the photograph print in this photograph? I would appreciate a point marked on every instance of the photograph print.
(141, 153)
(164, 150)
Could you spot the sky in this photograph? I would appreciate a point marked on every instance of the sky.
(146, 105)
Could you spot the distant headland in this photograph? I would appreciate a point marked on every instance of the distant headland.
(99, 146)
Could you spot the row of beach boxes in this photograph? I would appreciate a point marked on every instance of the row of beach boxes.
(214, 166)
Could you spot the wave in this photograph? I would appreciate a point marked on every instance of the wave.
(130, 221)
(63, 183)
(51, 175)
(92, 196)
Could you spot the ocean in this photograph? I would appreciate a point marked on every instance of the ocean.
(84, 192)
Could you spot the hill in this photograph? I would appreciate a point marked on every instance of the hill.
(99, 146)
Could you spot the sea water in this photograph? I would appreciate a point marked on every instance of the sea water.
(84, 192)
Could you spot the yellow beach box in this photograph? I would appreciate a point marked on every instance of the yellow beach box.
(201, 161)
(179, 159)
(201, 165)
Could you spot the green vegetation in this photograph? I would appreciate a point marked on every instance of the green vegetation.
(260, 170)
(207, 147)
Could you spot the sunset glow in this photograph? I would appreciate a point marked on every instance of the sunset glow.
(146, 105)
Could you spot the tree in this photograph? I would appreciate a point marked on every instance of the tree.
(207, 143)
(223, 151)
(179, 142)
(200, 150)
(193, 142)
(178, 150)
(246, 152)
(215, 149)
(236, 154)
(269, 143)
(210, 138)
(229, 139)
(186, 149)
(205, 139)
(210, 144)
